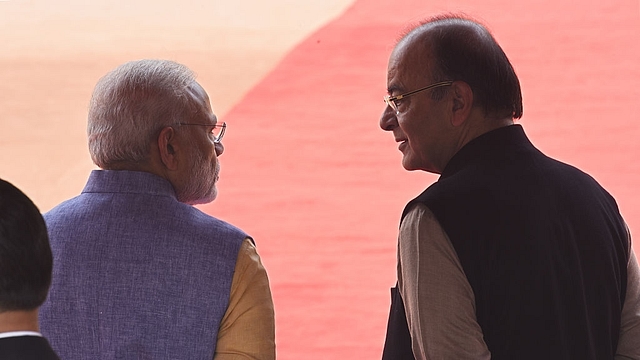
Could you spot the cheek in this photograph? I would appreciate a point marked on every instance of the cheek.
(414, 132)
(213, 155)
(208, 151)
(422, 146)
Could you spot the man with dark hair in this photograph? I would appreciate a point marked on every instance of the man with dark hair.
(510, 254)
(140, 273)
(25, 276)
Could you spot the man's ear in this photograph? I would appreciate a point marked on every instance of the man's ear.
(462, 102)
(168, 147)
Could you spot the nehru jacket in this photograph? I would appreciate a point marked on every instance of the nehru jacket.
(137, 274)
(538, 248)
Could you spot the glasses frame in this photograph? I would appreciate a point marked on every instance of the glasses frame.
(217, 139)
(391, 100)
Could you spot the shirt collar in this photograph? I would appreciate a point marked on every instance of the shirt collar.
(9, 334)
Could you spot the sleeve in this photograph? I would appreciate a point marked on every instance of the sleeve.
(247, 330)
(439, 301)
(629, 340)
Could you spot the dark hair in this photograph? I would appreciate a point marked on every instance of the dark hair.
(25, 255)
(465, 50)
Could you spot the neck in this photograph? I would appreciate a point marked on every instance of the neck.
(20, 320)
(476, 124)
(130, 166)
(480, 126)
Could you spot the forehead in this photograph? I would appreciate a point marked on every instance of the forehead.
(410, 62)
(199, 95)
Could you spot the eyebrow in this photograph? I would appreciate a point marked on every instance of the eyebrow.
(393, 88)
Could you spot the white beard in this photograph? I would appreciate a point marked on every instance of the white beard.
(201, 185)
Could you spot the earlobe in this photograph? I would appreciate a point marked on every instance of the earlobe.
(167, 146)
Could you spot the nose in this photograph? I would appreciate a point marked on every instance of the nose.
(219, 149)
(388, 119)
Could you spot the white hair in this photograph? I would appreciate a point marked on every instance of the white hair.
(131, 104)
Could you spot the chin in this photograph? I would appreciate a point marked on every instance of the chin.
(210, 198)
(408, 165)
(204, 199)
(207, 199)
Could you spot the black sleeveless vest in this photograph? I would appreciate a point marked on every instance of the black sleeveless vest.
(541, 243)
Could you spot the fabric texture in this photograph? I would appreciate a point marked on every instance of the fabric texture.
(137, 274)
(26, 348)
(444, 320)
(397, 344)
(247, 330)
(542, 245)
(629, 341)
(440, 304)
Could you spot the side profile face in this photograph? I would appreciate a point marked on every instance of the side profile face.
(422, 126)
(202, 168)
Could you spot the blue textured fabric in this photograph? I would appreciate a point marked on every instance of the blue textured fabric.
(137, 274)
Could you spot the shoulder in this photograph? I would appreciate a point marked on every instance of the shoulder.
(421, 223)
(198, 219)
(192, 225)
(62, 210)
(419, 212)
(572, 185)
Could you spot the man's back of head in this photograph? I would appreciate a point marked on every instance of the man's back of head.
(152, 116)
(25, 255)
(25, 276)
(130, 105)
(464, 50)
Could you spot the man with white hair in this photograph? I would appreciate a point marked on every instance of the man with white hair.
(140, 273)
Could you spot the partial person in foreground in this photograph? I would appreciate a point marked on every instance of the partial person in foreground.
(510, 254)
(25, 276)
(139, 272)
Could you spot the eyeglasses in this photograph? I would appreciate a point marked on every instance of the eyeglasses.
(217, 130)
(392, 101)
